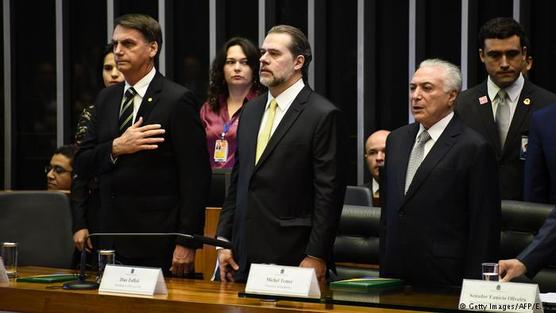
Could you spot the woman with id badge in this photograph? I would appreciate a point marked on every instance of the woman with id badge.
(234, 80)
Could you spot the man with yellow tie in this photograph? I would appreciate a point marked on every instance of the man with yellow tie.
(288, 182)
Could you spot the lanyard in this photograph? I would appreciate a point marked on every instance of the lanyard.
(229, 124)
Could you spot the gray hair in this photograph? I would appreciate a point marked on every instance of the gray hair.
(452, 74)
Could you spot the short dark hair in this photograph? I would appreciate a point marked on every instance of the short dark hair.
(502, 28)
(146, 25)
(68, 151)
(299, 45)
(217, 84)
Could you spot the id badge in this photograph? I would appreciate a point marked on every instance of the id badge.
(221, 151)
(523, 147)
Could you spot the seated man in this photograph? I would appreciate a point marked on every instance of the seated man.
(58, 172)
(375, 146)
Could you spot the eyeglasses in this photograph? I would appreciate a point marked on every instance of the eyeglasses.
(56, 168)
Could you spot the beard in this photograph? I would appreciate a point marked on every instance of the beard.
(271, 80)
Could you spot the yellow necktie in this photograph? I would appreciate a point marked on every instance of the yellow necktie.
(264, 136)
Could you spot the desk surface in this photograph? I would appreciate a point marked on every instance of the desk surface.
(183, 295)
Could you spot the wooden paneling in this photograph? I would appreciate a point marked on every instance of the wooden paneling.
(205, 259)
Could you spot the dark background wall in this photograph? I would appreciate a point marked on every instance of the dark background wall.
(385, 50)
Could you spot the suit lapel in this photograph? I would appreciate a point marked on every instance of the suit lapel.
(252, 124)
(113, 110)
(520, 114)
(487, 116)
(438, 151)
(287, 121)
(405, 153)
(151, 98)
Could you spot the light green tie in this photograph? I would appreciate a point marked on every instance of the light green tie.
(264, 136)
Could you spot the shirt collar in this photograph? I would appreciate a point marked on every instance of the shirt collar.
(438, 128)
(287, 96)
(513, 90)
(143, 84)
(375, 185)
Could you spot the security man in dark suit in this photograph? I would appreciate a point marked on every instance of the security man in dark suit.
(147, 146)
(288, 183)
(500, 107)
(441, 208)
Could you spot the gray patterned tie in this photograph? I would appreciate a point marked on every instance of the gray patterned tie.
(502, 116)
(416, 157)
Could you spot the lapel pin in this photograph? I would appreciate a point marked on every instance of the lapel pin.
(483, 100)
(527, 101)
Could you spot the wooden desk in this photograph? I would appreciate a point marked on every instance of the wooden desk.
(183, 296)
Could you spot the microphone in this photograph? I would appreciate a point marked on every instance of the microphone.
(82, 284)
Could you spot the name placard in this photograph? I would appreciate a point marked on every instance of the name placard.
(279, 280)
(493, 296)
(133, 280)
(3, 274)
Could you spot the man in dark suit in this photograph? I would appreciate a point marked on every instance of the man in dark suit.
(540, 166)
(375, 146)
(500, 107)
(153, 173)
(288, 182)
(441, 207)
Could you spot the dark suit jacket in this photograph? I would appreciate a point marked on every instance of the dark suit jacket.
(162, 190)
(539, 252)
(540, 166)
(481, 118)
(449, 220)
(289, 204)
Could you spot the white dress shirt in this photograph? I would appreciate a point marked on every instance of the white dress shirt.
(141, 89)
(434, 131)
(513, 91)
(283, 101)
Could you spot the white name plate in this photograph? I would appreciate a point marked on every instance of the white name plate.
(3, 273)
(493, 296)
(132, 280)
(279, 280)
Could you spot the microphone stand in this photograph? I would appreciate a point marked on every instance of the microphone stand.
(82, 284)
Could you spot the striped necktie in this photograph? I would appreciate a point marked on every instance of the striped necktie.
(126, 111)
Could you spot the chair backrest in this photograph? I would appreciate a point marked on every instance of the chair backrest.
(520, 222)
(357, 242)
(219, 187)
(40, 222)
(358, 195)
